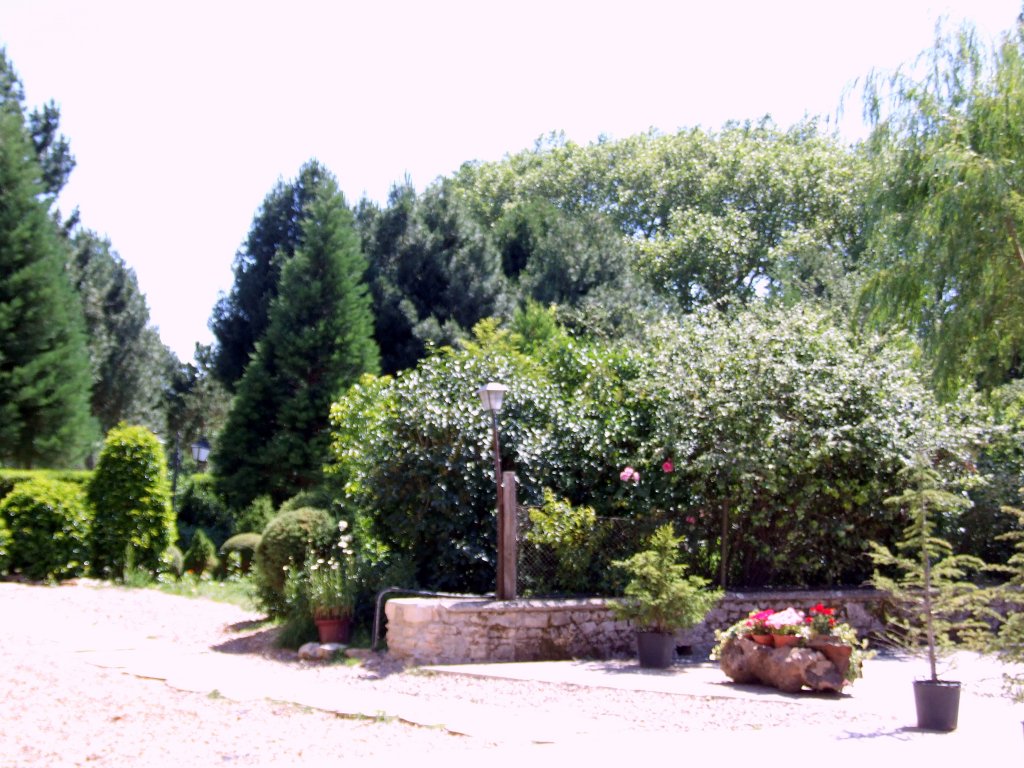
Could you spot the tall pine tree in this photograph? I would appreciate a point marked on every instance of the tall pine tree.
(44, 366)
(319, 340)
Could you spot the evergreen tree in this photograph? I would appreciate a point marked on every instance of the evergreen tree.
(240, 319)
(318, 341)
(435, 273)
(130, 365)
(44, 366)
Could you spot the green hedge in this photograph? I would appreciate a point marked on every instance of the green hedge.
(48, 527)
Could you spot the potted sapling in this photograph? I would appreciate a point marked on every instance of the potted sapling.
(660, 598)
(936, 607)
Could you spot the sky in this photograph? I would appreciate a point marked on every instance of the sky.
(183, 116)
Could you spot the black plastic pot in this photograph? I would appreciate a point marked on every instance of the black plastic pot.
(938, 704)
(657, 650)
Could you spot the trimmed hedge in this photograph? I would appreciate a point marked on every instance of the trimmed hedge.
(131, 496)
(48, 527)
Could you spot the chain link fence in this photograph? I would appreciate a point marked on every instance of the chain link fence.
(580, 568)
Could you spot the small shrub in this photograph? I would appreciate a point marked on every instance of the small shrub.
(244, 545)
(132, 501)
(48, 527)
(172, 562)
(284, 543)
(201, 555)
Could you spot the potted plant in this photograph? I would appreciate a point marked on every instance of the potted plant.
(660, 598)
(330, 591)
(785, 627)
(936, 605)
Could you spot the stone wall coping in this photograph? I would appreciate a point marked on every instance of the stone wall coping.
(527, 605)
(489, 605)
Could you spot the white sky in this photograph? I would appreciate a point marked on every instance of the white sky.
(184, 115)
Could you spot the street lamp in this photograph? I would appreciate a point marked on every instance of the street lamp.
(491, 396)
(201, 450)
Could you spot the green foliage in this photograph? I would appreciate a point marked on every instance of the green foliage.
(254, 518)
(130, 366)
(284, 544)
(1008, 642)
(937, 606)
(946, 260)
(44, 364)
(434, 273)
(660, 596)
(5, 546)
(778, 423)
(572, 537)
(131, 499)
(241, 318)
(705, 216)
(47, 527)
(244, 545)
(317, 342)
(201, 555)
(199, 507)
(172, 562)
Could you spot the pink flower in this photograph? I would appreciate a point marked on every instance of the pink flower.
(691, 519)
(668, 466)
(629, 474)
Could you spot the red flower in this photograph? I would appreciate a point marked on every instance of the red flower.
(668, 466)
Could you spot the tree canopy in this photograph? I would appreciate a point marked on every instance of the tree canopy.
(947, 260)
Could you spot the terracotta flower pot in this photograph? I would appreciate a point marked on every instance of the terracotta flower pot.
(785, 641)
(763, 639)
(334, 630)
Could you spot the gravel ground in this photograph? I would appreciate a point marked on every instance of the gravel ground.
(62, 710)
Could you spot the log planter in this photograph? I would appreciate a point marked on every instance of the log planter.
(817, 666)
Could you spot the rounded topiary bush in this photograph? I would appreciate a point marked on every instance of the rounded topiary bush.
(131, 499)
(284, 543)
(48, 528)
(244, 545)
(201, 555)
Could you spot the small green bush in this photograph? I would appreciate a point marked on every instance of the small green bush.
(284, 542)
(172, 561)
(244, 545)
(131, 497)
(5, 547)
(201, 555)
(48, 527)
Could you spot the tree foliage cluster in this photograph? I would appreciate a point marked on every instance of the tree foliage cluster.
(97, 523)
(769, 438)
(77, 352)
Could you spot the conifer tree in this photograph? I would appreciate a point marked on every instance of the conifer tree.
(319, 340)
(44, 365)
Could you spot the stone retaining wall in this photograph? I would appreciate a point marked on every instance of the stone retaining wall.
(452, 631)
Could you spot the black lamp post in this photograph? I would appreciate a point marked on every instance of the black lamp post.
(492, 395)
